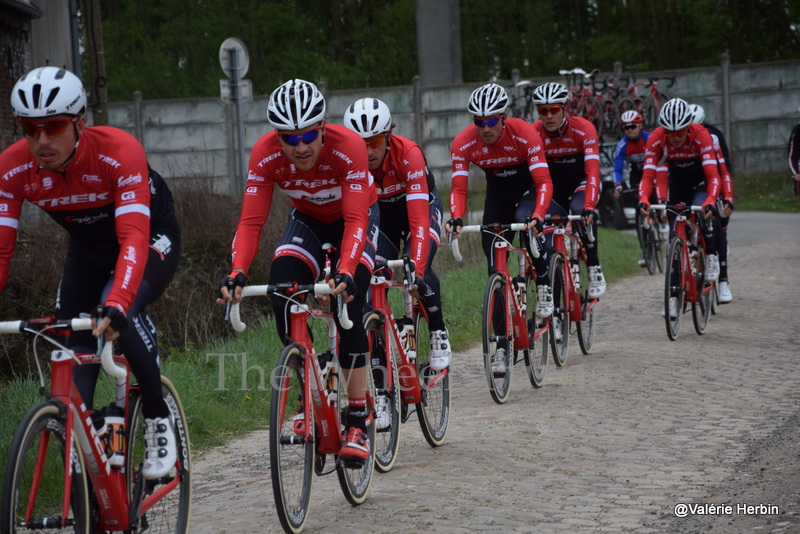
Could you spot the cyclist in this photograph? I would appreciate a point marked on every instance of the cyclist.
(726, 197)
(794, 155)
(323, 168)
(410, 208)
(572, 151)
(680, 155)
(518, 185)
(124, 238)
(631, 149)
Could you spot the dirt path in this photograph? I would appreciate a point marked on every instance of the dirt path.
(613, 442)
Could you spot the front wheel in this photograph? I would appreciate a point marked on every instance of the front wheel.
(498, 345)
(646, 243)
(37, 458)
(291, 455)
(559, 323)
(355, 481)
(384, 374)
(171, 511)
(433, 411)
(674, 293)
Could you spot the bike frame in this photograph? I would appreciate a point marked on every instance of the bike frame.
(562, 235)
(110, 485)
(502, 248)
(410, 385)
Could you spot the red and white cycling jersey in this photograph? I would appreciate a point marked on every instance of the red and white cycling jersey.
(102, 200)
(402, 185)
(573, 155)
(684, 167)
(338, 187)
(515, 158)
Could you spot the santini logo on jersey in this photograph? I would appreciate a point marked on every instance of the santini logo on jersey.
(86, 198)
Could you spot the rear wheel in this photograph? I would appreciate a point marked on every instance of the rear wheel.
(498, 347)
(171, 512)
(40, 443)
(701, 309)
(585, 327)
(673, 288)
(433, 411)
(559, 323)
(384, 368)
(291, 455)
(536, 356)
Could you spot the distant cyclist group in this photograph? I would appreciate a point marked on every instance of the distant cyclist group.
(361, 195)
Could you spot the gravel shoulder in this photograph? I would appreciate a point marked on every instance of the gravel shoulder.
(613, 442)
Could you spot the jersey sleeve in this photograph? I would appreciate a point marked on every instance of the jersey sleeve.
(708, 158)
(460, 178)
(131, 193)
(10, 209)
(415, 170)
(652, 156)
(619, 159)
(256, 205)
(591, 165)
(356, 196)
(540, 172)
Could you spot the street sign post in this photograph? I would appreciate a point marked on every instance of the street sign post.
(234, 60)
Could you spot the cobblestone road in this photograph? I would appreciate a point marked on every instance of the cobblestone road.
(611, 443)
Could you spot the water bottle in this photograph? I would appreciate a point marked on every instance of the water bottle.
(521, 289)
(576, 275)
(115, 434)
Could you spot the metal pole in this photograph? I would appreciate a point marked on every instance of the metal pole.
(236, 97)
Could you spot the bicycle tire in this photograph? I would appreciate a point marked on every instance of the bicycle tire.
(494, 302)
(559, 322)
(701, 309)
(43, 424)
(355, 482)
(672, 286)
(646, 243)
(585, 327)
(433, 412)
(387, 440)
(659, 247)
(171, 513)
(291, 457)
(537, 355)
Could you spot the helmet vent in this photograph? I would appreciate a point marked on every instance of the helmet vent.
(53, 95)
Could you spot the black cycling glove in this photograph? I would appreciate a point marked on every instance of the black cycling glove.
(350, 284)
(232, 281)
(118, 320)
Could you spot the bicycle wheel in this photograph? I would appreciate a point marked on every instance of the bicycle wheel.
(585, 327)
(559, 323)
(610, 121)
(291, 457)
(39, 443)
(646, 243)
(498, 347)
(355, 482)
(701, 309)
(171, 512)
(536, 355)
(434, 410)
(658, 248)
(673, 287)
(381, 353)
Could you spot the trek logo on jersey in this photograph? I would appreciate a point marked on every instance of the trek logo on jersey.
(90, 179)
(391, 189)
(304, 184)
(85, 198)
(16, 170)
(269, 158)
(520, 139)
(343, 156)
(109, 160)
(130, 180)
(461, 149)
(497, 161)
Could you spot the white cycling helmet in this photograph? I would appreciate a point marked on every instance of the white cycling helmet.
(48, 91)
(550, 93)
(488, 100)
(295, 105)
(368, 117)
(675, 115)
(698, 114)
(631, 117)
